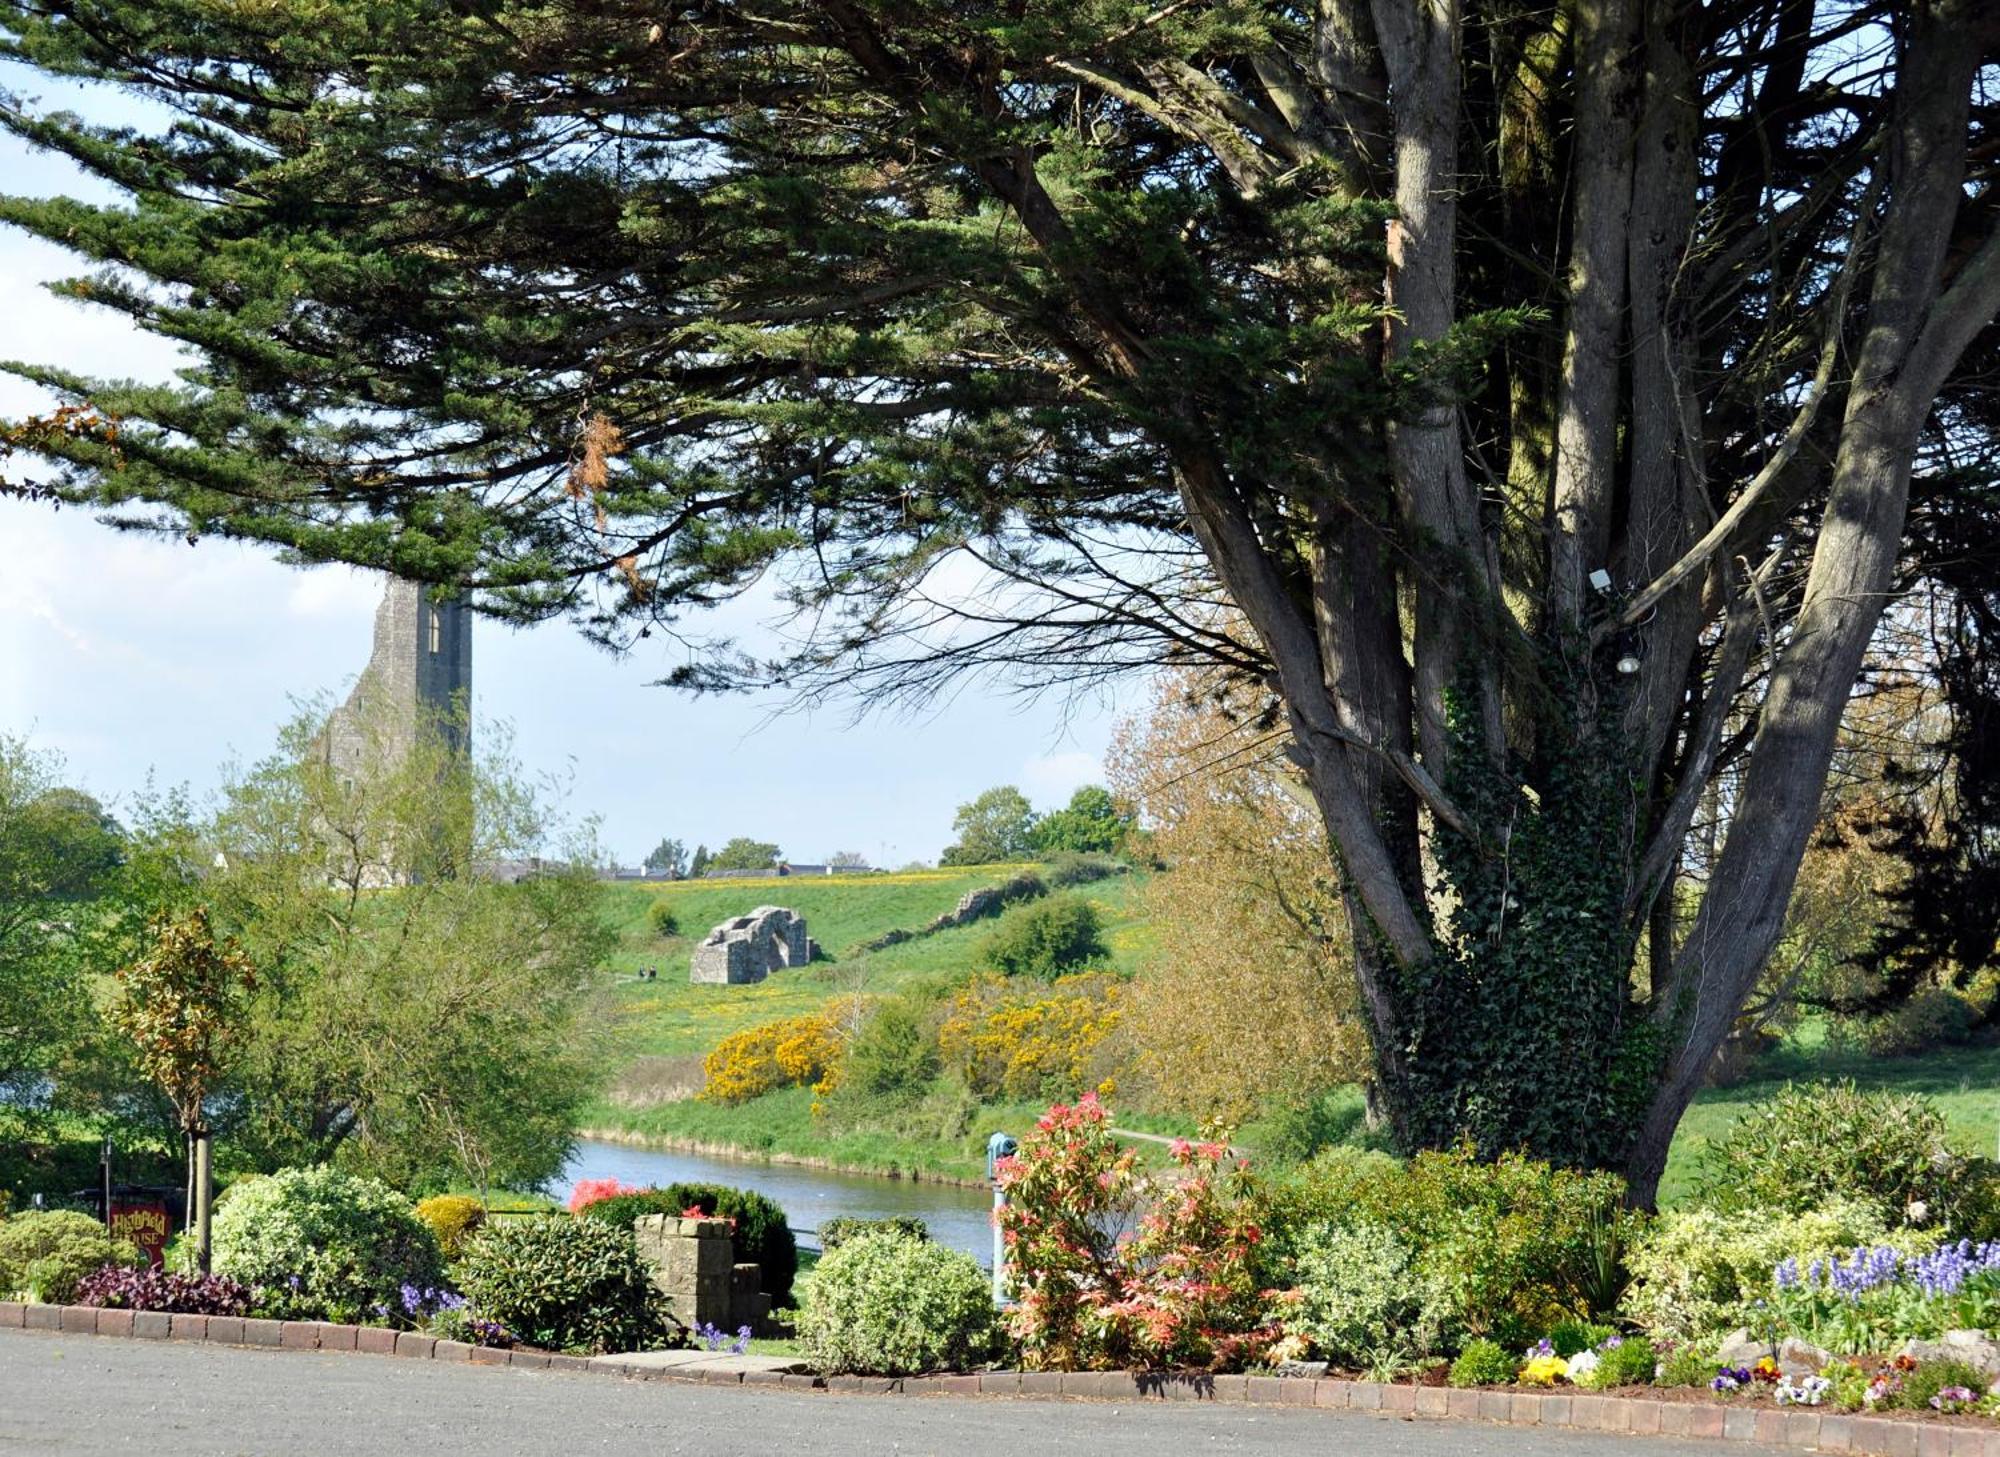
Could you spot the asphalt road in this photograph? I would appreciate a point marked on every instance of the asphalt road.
(80, 1396)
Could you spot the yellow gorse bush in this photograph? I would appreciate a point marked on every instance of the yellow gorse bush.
(800, 1051)
(1029, 1041)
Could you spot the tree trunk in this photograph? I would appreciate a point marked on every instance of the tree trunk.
(204, 1181)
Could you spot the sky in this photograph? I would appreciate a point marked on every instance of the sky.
(133, 657)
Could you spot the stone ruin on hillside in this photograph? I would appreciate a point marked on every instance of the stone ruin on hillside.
(749, 948)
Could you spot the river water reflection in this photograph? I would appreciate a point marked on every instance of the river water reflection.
(958, 1217)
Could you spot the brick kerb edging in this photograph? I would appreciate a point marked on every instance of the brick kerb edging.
(1636, 1416)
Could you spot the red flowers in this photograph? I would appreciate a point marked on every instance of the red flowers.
(589, 1191)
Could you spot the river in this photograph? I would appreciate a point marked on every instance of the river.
(957, 1216)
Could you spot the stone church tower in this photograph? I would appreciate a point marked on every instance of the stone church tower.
(421, 669)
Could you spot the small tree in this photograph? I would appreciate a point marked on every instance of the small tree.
(668, 860)
(1093, 824)
(181, 1005)
(997, 826)
(744, 854)
(847, 860)
(698, 866)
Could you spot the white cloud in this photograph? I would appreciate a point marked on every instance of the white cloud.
(1050, 779)
(335, 592)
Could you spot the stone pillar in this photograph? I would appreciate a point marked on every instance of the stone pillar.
(693, 1263)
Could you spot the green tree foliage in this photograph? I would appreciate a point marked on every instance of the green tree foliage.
(1091, 824)
(57, 849)
(698, 863)
(668, 860)
(742, 853)
(182, 1005)
(1542, 388)
(996, 827)
(412, 1019)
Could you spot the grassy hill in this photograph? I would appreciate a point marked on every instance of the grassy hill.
(660, 1029)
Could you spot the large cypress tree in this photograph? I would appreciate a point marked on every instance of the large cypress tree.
(1540, 385)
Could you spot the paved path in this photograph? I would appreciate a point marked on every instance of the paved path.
(79, 1396)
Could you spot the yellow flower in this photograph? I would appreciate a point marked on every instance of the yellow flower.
(1543, 1370)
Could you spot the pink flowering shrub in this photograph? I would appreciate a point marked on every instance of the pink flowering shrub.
(589, 1191)
(1113, 1268)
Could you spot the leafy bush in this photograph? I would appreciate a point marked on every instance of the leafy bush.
(1061, 934)
(1181, 1291)
(893, 1052)
(1072, 868)
(565, 1284)
(1004, 1039)
(1623, 1361)
(837, 1232)
(762, 1232)
(793, 1052)
(452, 1218)
(1688, 1363)
(1698, 1271)
(1483, 1363)
(662, 921)
(1518, 1245)
(115, 1287)
(46, 1253)
(1812, 1145)
(1933, 1017)
(1571, 1336)
(1361, 1301)
(319, 1244)
(889, 1305)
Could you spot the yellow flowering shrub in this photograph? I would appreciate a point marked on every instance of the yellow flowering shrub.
(791, 1052)
(1030, 1041)
(452, 1218)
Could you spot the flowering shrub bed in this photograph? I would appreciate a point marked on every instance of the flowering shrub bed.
(116, 1287)
(45, 1254)
(1879, 1296)
(1113, 1268)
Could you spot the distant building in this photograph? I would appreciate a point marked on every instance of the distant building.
(421, 667)
(419, 673)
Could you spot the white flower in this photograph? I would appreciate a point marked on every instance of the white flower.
(1918, 1211)
(1581, 1365)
